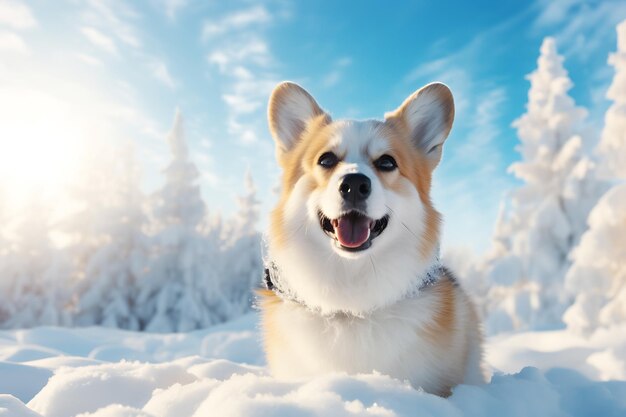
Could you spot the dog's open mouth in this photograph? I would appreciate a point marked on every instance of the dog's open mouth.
(353, 231)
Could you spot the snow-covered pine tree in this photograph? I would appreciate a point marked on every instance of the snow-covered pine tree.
(107, 293)
(243, 260)
(545, 217)
(4, 241)
(35, 287)
(597, 277)
(181, 292)
(613, 142)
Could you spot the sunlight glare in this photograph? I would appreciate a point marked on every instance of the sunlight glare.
(40, 141)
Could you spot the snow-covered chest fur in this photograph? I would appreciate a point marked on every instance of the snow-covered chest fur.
(431, 339)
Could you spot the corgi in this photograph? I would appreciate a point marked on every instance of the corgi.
(354, 282)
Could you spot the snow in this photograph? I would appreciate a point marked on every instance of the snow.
(221, 371)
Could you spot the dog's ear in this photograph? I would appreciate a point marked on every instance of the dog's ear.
(427, 117)
(290, 108)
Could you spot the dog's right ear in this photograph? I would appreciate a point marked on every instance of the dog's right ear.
(289, 111)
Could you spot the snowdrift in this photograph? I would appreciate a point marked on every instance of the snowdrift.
(58, 372)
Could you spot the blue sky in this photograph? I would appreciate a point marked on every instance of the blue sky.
(120, 69)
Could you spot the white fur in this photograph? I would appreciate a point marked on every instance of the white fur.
(387, 341)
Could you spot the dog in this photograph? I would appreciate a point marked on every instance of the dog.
(354, 282)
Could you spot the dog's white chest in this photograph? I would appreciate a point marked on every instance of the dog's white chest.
(390, 341)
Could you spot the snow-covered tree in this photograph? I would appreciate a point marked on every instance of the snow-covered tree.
(4, 222)
(613, 142)
(544, 218)
(34, 280)
(247, 216)
(597, 277)
(243, 262)
(107, 292)
(181, 291)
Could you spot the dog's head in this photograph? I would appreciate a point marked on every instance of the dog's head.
(355, 225)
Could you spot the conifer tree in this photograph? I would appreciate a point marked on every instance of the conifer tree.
(544, 218)
(181, 291)
(597, 277)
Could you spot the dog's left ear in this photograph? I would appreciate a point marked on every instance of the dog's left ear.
(427, 117)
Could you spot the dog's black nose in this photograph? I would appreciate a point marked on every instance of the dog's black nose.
(355, 188)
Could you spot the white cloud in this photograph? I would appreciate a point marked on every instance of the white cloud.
(245, 64)
(336, 73)
(431, 67)
(137, 118)
(111, 26)
(99, 39)
(13, 43)
(579, 26)
(241, 104)
(173, 6)
(236, 21)
(114, 17)
(554, 11)
(89, 60)
(479, 148)
(252, 50)
(245, 132)
(16, 15)
(162, 74)
(246, 99)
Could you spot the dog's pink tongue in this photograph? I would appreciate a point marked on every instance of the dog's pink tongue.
(351, 231)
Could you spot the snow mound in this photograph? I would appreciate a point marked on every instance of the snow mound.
(94, 387)
(22, 381)
(12, 407)
(220, 372)
(166, 390)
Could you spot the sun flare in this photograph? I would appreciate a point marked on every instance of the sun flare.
(41, 139)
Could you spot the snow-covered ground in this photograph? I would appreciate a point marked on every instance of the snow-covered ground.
(50, 371)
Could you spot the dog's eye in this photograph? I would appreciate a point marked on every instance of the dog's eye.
(328, 160)
(386, 163)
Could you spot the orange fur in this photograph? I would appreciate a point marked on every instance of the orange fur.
(414, 166)
(297, 163)
(272, 339)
